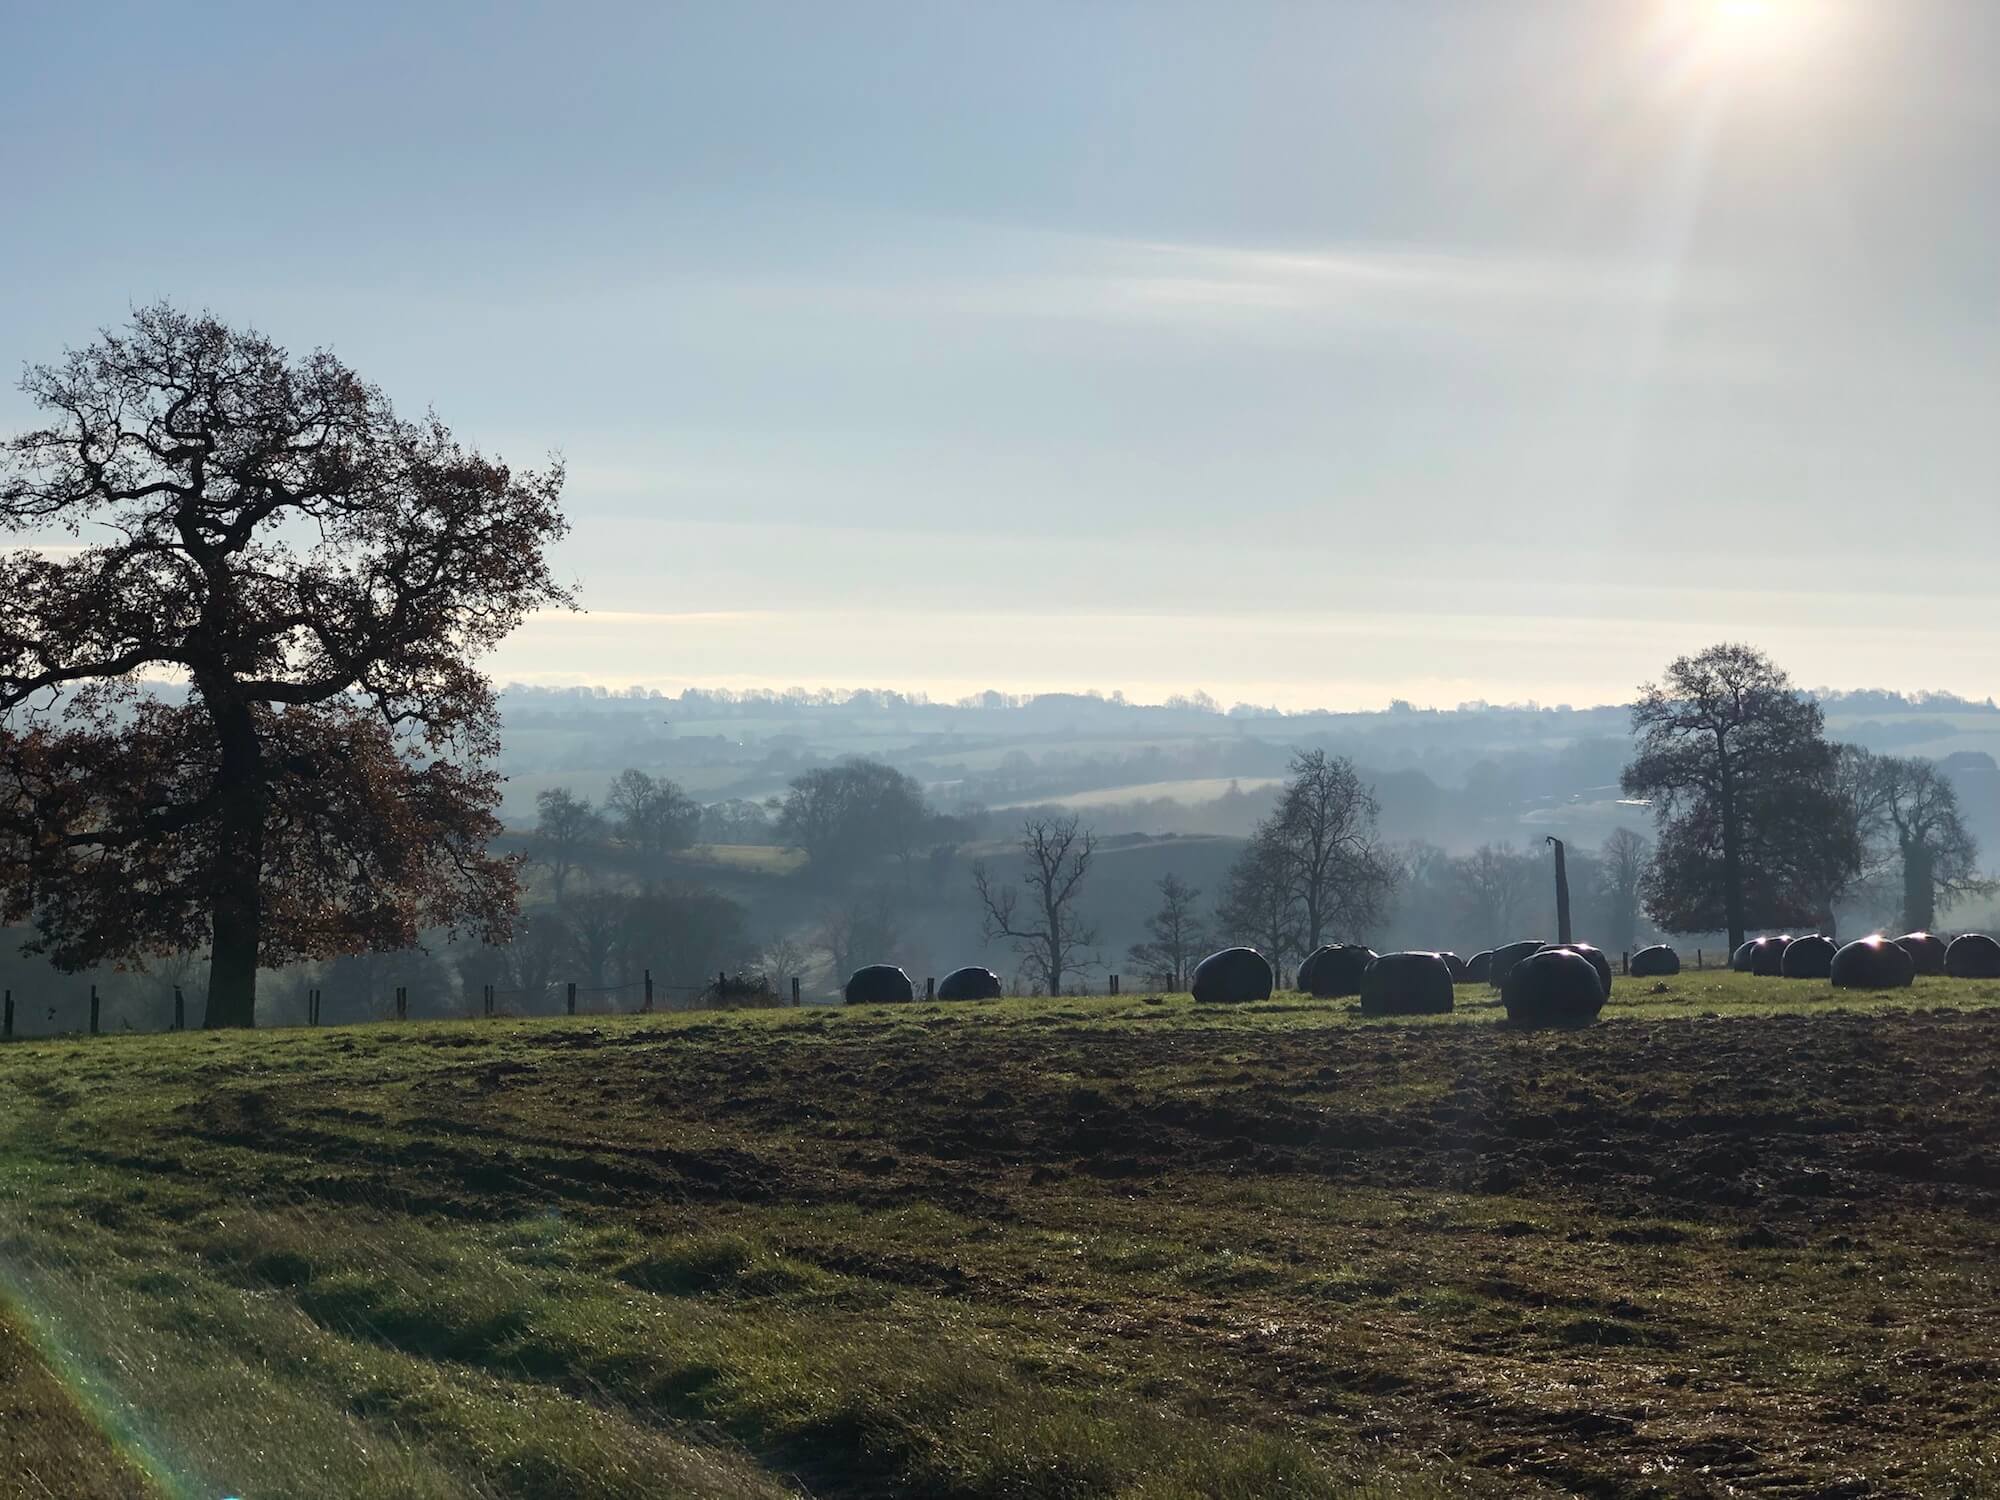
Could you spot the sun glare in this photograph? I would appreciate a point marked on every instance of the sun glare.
(1752, 26)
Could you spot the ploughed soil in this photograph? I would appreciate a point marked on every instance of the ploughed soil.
(1744, 1254)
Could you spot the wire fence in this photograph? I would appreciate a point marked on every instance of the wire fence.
(72, 1016)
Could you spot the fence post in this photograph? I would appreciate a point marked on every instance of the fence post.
(571, 998)
(402, 1002)
(930, 987)
(649, 992)
(1697, 958)
(7, 1019)
(180, 1010)
(795, 989)
(1114, 984)
(1625, 963)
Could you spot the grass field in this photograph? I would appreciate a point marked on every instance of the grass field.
(1738, 1238)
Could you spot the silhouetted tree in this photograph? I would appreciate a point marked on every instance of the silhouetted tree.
(1621, 870)
(845, 817)
(1339, 872)
(1259, 904)
(1177, 936)
(321, 573)
(860, 928)
(653, 816)
(566, 827)
(1743, 785)
(1909, 810)
(1498, 886)
(1049, 937)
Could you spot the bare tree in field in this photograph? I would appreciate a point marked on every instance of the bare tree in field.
(566, 826)
(1176, 938)
(1622, 869)
(1496, 889)
(1259, 906)
(1337, 868)
(1908, 813)
(1048, 935)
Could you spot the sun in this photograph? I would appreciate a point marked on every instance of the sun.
(1753, 26)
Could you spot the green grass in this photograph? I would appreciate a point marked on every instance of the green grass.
(1076, 1247)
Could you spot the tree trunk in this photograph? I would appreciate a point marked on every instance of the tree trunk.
(237, 919)
(1919, 888)
(1732, 857)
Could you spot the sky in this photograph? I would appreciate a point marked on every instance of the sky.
(1304, 354)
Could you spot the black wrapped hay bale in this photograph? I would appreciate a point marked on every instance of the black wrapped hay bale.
(1479, 967)
(1597, 961)
(1457, 966)
(1808, 958)
(1767, 955)
(1505, 958)
(969, 983)
(1926, 952)
(1552, 987)
(1656, 962)
(879, 984)
(1973, 956)
(1335, 970)
(1231, 977)
(1874, 963)
(1740, 959)
(1407, 984)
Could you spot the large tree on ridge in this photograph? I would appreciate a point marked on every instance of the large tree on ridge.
(1752, 824)
(318, 574)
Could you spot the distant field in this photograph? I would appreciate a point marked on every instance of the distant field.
(1738, 1238)
(1205, 789)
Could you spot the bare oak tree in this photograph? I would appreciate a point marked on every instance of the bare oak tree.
(1175, 938)
(1048, 935)
(321, 574)
(1338, 870)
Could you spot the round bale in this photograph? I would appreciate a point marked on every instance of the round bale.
(1767, 955)
(1479, 967)
(1504, 958)
(1656, 962)
(1926, 952)
(879, 984)
(970, 983)
(1808, 958)
(1335, 970)
(1457, 966)
(1407, 984)
(1740, 959)
(1231, 977)
(1874, 963)
(1973, 956)
(1597, 961)
(1552, 987)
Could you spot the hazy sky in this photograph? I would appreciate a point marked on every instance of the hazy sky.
(1310, 353)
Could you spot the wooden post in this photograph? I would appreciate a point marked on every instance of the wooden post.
(795, 989)
(180, 1010)
(93, 1010)
(1562, 893)
(1114, 984)
(7, 1018)
(930, 987)
(571, 998)
(1625, 963)
(649, 992)
(402, 1002)
(1697, 958)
